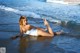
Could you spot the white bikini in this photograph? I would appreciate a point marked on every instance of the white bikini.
(32, 32)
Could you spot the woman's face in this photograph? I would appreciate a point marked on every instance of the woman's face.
(24, 22)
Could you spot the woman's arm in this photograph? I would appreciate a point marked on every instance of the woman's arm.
(16, 36)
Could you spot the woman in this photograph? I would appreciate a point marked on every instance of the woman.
(26, 28)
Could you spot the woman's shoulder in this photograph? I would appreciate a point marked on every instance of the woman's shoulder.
(28, 26)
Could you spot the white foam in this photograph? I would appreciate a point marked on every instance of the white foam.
(62, 12)
(29, 14)
(51, 19)
(8, 9)
(26, 13)
(53, 1)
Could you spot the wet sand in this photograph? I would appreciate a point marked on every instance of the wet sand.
(30, 44)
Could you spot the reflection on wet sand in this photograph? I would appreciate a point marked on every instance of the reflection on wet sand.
(32, 44)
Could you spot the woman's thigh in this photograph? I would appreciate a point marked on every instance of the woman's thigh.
(43, 33)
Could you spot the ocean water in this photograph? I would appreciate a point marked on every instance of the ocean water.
(60, 16)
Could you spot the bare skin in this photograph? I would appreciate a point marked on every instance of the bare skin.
(43, 33)
(40, 31)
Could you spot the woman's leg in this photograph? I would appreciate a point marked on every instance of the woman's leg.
(58, 33)
(50, 30)
(43, 33)
(48, 27)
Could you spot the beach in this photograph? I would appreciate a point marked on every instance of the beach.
(60, 16)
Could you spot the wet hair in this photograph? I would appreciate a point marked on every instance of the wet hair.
(21, 20)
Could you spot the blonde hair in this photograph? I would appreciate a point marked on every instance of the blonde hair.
(21, 20)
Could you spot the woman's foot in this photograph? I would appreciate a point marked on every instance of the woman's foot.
(60, 32)
(46, 22)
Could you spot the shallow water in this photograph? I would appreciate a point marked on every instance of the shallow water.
(28, 44)
(60, 17)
